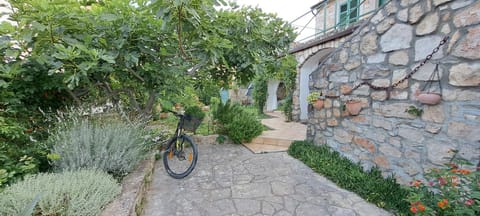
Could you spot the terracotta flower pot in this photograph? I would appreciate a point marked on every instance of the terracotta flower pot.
(353, 107)
(318, 104)
(429, 98)
(164, 115)
(178, 106)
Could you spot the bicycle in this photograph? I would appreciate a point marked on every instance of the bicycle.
(181, 153)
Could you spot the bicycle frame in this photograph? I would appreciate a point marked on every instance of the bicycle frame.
(179, 131)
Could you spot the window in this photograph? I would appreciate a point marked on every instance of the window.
(349, 12)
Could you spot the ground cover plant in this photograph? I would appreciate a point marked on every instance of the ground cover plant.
(453, 189)
(83, 192)
(370, 185)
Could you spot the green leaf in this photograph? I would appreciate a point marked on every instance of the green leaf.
(6, 27)
(3, 84)
(12, 53)
(38, 26)
(108, 58)
(108, 17)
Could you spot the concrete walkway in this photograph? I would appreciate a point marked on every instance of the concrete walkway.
(231, 180)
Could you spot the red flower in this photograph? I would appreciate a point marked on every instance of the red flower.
(416, 183)
(414, 209)
(441, 181)
(454, 166)
(469, 202)
(443, 204)
(421, 207)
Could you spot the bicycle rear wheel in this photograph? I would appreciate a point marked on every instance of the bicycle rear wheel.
(180, 157)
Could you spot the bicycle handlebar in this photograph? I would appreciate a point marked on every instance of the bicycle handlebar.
(178, 114)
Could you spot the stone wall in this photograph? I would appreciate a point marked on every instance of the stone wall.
(315, 54)
(384, 50)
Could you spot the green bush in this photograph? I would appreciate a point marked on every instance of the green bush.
(21, 151)
(195, 111)
(370, 185)
(113, 146)
(243, 128)
(236, 123)
(83, 192)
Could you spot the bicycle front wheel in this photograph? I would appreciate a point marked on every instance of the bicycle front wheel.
(180, 157)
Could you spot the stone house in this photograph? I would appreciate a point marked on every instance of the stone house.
(335, 20)
(381, 63)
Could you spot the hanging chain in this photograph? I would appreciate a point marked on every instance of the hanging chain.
(389, 88)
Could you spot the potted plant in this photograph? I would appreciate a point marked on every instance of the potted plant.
(353, 106)
(165, 106)
(316, 99)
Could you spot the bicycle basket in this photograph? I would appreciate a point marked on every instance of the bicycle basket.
(191, 123)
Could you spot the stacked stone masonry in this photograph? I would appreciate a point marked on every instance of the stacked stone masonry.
(384, 50)
(302, 57)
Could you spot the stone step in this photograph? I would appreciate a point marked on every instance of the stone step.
(272, 141)
(264, 148)
(264, 144)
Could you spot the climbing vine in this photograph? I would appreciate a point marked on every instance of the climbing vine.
(260, 88)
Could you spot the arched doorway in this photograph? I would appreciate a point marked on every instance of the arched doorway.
(306, 69)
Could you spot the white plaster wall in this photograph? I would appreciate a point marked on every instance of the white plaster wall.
(272, 102)
(305, 72)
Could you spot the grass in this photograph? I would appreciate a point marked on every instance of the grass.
(370, 185)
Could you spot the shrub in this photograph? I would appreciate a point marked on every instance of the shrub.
(195, 111)
(20, 154)
(451, 190)
(236, 123)
(83, 192)
(243, 128)
(113, 146)
(370, 185)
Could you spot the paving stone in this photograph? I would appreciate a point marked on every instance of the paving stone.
(308, 209)
(268, 189)
(247, 206)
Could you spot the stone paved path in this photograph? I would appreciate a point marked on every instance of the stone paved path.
(230, 180)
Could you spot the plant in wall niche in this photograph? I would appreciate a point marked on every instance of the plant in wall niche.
(450, 190)
(316, 99)
(413, 110)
